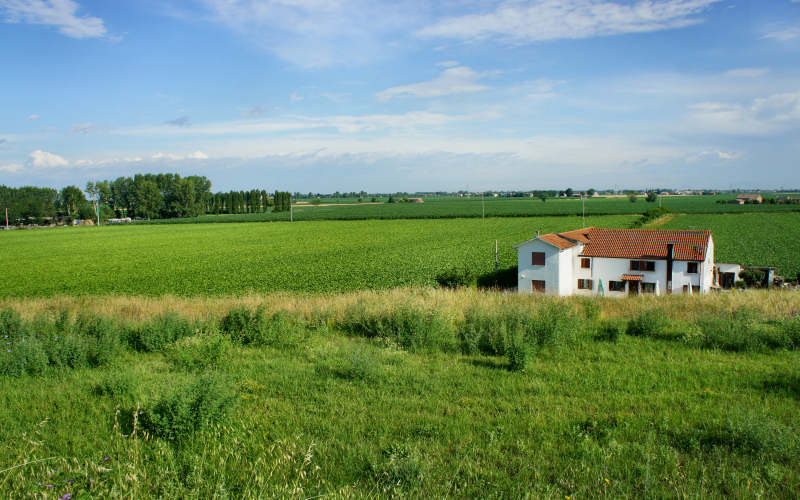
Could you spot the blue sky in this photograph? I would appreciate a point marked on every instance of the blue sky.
(325, 95)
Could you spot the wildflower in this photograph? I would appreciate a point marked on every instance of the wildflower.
(606, 480)
(49, 485)
(106, 459)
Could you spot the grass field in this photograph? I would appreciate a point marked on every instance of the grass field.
(322, 411)
(323, 256)
(449, 207)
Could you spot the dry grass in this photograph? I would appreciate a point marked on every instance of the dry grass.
(774, 303)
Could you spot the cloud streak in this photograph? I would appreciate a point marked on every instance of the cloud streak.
(542, 20)
(453, 80)
(61, 14)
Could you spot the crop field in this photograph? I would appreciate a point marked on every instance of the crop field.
(750, 239)
(324, 256)
(402, 393)
(449, 207)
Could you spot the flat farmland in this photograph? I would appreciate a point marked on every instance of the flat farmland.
(450, 207)
(214, 259)
(762, 239)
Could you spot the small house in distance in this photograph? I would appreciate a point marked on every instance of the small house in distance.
(743, 199)
(616, 262)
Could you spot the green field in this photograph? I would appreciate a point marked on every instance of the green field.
(750, 239)
(325, 256)
(449, 207)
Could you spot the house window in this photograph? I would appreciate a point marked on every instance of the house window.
(691, 267)
(695, 289)
(585, 263)
(616, 286)
(584, 284)
(537, 258)
(643, 265)
(648, 287)
(537, 286)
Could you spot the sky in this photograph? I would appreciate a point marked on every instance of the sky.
(327, 95)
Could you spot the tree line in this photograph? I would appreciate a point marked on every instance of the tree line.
(147, 196)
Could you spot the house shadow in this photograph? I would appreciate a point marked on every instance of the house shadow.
(502, 279)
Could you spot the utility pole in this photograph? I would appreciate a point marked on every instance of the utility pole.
(583, 209)
(6, 218)
(483, 207)
(496, 262)
(291, 213)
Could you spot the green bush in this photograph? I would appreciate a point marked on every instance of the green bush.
(456, 277)
(649, 323)
(21, 352)
(244, 326)
(101, 338)
(154, 335)
(199, 352)
(189, 408)
(352, 364)
(608, 331)
(517, 351)
(407, 326)
(118, 384)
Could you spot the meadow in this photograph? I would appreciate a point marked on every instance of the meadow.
(352, 396)
(327, 256)
(450, 207)
(209, 259)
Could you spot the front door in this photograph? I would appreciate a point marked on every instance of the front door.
(633, 288)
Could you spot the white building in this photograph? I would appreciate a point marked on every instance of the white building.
(616, 262)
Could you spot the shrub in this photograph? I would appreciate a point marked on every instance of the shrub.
(407, 326)
(118, 384)
(608, 331)
(244, 326)
(354, 364)
(649, 323)
(199, 352)
(753, 277)
(189, 408)
(100, 336)
(456, 277)
(155, 335)
(21, 352)
(517, 351)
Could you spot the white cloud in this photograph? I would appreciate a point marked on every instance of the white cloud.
(746, 72)
(762, 116)
(315, 33)
(295, 97)
(43, 159)
(783, 35)
(11, 168)
(82, 128)
(455, 80)
(197, 155)
(447, 64)
(62, 14)
(540, 20)
(33, 117)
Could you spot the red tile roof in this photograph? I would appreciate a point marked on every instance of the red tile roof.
(634, 243)
(632, 277)
(557, 240)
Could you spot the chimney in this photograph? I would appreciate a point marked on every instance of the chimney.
(670, 256)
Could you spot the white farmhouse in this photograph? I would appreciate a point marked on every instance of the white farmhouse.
(616, 262)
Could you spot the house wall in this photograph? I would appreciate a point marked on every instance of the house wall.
(549, 272)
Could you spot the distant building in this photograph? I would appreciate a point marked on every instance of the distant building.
(616, 262)
(748, 198)
(416, 200)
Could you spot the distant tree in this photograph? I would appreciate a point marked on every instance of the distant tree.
(391, 199)
(148, 198)
(591, 192)
(72, 199)
(632, 197)
(651, 196)
(542, 197)
(568, 192)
